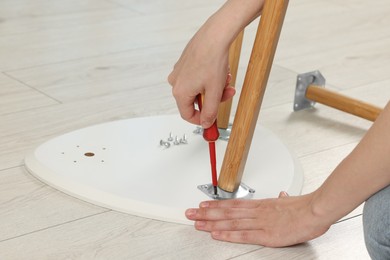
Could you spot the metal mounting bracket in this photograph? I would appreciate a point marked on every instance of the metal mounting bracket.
(243, 192)
(224, 134)
(304, 80)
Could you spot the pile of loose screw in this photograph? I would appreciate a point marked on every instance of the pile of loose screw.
(174, 141)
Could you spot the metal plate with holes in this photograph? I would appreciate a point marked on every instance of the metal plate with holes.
(224, 134)
(304, 80)
(243, 192)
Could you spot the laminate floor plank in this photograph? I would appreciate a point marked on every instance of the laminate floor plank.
(114, 235)
(347, 67)
(344, 240)
(16, 97)
(313, 27)
(103, 75)
(115, 35)
(168, 6)
(28, 205)
(62, 21)
(15, 9)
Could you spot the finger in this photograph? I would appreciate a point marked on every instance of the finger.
(208, 214)
(283, 194)
(186, 107)
(188, 112)
(172, 78)
(211, 102)
(257, 237)
(228, 79)
(228, 225)
(237, 203)
(228, 93)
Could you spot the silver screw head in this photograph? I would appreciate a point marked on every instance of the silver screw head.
(165, 144)
(184, 139)
(198, 130)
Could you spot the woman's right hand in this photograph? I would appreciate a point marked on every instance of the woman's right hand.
(202, 69)
(203, 66)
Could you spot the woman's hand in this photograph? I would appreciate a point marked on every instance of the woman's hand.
(203, 66)
(277, 222)
(202, 69)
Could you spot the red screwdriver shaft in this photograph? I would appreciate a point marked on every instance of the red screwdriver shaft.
(213, 162)
(211, 135)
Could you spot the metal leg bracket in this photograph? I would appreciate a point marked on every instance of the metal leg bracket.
(224, 134)
(243, 192)
(303, 82)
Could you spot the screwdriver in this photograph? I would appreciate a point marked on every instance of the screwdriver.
(211, 135)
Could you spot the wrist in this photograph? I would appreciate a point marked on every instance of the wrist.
(323, 210)
(224, 25)
(218, 32)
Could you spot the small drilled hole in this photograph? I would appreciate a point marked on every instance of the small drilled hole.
(89, 154)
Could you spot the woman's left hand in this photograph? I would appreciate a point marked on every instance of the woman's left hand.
(279, 222)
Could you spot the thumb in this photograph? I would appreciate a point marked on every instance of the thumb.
(210, 109)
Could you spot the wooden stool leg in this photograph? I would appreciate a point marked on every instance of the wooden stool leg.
(343, 103)
(252, 93)
(234, 58)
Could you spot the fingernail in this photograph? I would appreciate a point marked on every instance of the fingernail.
(206, 124)
(228, 78)
(283, 194)
(216, 234)
(190, 212)
(204, 204)
(200, 223)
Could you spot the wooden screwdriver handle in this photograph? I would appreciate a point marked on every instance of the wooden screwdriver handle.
(251, 97)
(343, 103)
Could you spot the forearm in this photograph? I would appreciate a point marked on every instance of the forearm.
(362, 173)
(231, 18)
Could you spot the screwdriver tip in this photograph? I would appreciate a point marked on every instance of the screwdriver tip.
(215, 190)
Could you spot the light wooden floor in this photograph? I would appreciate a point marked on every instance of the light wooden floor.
(70, 64)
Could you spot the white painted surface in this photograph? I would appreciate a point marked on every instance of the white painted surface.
(131, 172)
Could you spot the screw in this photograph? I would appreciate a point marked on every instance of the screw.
(170, 138)
(166, 144)
(184, 139)
(176, 142)
(198, 130)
